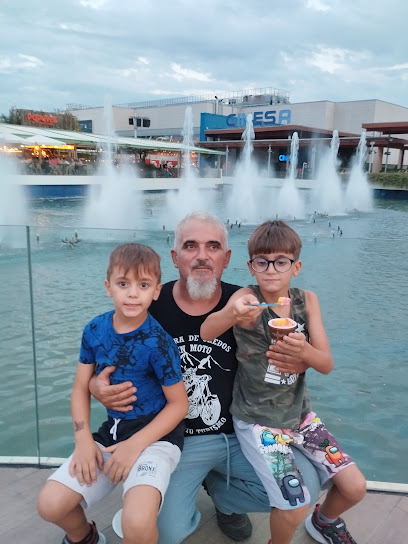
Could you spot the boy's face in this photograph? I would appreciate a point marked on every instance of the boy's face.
(132, 294)
(271, 280)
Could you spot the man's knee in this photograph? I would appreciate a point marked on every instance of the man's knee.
(309, 475)
(176, 527)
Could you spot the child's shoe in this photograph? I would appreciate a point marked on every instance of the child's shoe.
(94, 537)
(332, 533)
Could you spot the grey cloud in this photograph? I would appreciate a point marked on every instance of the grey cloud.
(89, 48)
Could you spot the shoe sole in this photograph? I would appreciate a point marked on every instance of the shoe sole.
(102, 539)
(235, 538)
(117, 523)
(313, 532)
(238, 535)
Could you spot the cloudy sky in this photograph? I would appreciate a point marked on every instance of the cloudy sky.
(80, 51)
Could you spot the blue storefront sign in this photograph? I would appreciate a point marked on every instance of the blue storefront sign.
(268, 118)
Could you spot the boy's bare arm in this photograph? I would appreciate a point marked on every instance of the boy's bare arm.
(238, 310)
(125, 453)
(317, 353)
(87, 456)
(117, 397)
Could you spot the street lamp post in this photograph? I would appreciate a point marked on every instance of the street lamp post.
(269, 160)
(387, 154)
(371, 152)
(313, 160)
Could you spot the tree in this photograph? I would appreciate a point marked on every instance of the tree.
(66, 121)
(13, 118)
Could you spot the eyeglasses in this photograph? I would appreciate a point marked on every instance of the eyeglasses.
(282, 264)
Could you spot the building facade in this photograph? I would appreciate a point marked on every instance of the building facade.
(274, 118)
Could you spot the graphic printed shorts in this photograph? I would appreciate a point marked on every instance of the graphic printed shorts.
(269, 450)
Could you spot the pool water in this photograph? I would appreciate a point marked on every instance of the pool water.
(359, 277)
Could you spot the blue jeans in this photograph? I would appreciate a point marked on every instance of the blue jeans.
(232, 484)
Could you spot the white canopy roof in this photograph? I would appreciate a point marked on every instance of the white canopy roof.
(84, 138)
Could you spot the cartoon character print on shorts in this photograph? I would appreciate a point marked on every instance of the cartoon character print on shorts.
(322, 445)
(274, 445)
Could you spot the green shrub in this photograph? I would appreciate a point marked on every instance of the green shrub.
(398, 180)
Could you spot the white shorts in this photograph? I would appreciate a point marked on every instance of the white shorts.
(153, 467)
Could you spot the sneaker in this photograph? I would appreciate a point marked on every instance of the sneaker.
(94, 537)
(236, 526)
(334, 533)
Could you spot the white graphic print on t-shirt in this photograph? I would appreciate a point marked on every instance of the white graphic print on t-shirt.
(203, 403)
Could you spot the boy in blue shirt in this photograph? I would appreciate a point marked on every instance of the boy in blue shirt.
(140, 447)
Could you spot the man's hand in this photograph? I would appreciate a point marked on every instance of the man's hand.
(116, 397)
(286, 355)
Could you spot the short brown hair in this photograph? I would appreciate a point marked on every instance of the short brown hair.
(136, 257)
(272, 237)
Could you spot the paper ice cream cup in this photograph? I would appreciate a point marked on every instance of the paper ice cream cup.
(280, 327)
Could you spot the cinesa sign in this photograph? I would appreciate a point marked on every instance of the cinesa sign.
(260, 118)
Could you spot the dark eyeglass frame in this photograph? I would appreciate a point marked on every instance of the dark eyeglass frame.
(271, 262)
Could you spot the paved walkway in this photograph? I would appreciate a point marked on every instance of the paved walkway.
(382, 518)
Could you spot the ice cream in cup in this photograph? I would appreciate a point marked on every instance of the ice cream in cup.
(280, 327)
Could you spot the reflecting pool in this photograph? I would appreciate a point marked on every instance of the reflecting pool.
(358, 275)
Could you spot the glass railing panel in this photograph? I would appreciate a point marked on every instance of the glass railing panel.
(360, 283)
(18, 406)
(362, 289)
(69, 269)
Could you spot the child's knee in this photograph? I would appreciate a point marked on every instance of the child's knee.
(139, 530)
(291, 518)
(351, 484)
(53, 502)
(47, 505)
(359, 488)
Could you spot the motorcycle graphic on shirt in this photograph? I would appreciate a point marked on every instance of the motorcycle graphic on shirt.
(202, 403)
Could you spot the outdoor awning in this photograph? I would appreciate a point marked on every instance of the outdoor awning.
(82, 138)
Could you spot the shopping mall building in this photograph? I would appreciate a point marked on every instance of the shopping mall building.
(218, 122)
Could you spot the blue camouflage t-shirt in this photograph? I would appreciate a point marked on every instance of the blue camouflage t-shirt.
(147, 356)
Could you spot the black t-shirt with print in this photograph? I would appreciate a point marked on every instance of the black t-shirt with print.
(208, 367)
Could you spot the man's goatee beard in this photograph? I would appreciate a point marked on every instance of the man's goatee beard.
(201, 289)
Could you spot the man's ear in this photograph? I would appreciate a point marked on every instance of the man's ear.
(227, 258)
(108, 289)
(174, 257)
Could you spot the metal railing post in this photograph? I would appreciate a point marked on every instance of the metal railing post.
(30, 281)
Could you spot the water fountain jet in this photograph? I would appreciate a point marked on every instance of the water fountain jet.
(247, 202)
(12, 205)
(328, 196)
(359, 195)
(290, 204)
(189, 197)
(115, 203)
